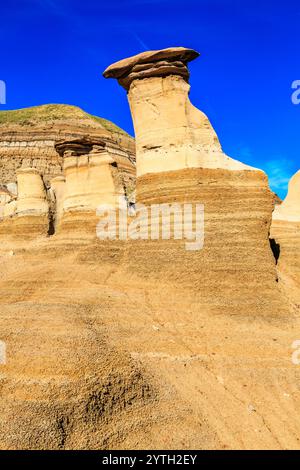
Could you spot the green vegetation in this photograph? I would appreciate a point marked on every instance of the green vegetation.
(53, 112)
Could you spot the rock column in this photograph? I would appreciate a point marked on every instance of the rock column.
(92, 180)
(179, 159)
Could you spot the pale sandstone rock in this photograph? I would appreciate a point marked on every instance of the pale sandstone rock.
(10, 208)
(93, 179)
(171, 134)
(12, 188)
(28, 137)
(89, 175)
(5, 198)
(58, 185)
(28, 214)
(285, 233)
(31, 193)
(289, 210)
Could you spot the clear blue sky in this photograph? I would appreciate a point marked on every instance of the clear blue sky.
(54, 51)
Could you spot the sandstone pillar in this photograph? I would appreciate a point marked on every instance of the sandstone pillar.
(91, 176)
(31, 216)
(171, 134)
(179, 159)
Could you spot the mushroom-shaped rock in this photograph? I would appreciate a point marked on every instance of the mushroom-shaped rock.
(92, 180)
(171, 134)
(180, 160)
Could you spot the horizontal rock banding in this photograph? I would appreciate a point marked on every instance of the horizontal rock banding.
(28, 138)
(180, 160)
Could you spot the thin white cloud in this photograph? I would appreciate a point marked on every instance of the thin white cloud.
(280, 172)
(141, 42)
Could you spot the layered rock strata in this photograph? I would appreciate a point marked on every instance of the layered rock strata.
(28, 137)
(179, 159)
(57, 191)
(285, 237)
(92, 180)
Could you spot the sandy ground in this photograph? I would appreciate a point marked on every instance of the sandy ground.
(99, 358)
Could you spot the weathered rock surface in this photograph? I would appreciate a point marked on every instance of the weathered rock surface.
(58, 185)
(171, 134)
(93, 178)
(99, 359)
(285, 235)
(171, 61)
(26, 215)
(28, 137)
(5, 197)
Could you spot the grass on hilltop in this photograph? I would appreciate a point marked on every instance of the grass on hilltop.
(53, 112)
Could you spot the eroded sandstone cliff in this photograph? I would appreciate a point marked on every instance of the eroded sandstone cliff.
(28, 139)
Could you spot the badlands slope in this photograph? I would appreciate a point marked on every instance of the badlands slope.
(101, 357)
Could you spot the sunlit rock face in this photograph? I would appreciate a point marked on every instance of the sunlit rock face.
(31, 193)
(27, 215)
(28, 137)
(285, 234)
(92, 180)
(171, 134)
(289, 209)
(179, 159)
(27, 140)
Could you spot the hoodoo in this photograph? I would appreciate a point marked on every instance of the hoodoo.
(92, 179)
(171, 134)
(179, 159)
(28, 137)
(285, 231)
